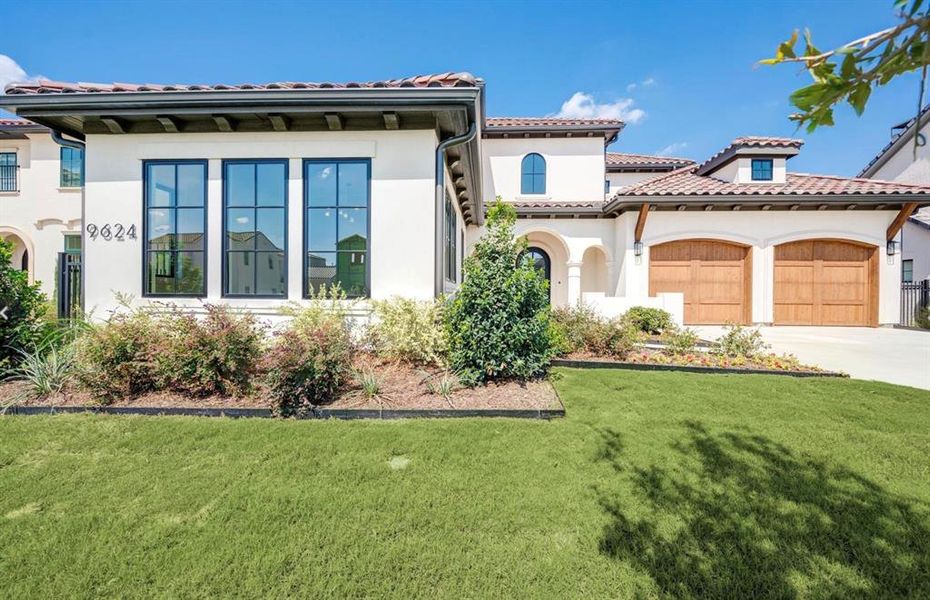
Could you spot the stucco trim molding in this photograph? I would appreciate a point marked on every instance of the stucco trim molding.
(704, 235)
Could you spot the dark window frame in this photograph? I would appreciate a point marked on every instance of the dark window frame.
(145, 226)
(450, 240)
(12, 177)
(533, 173)
(61, 167)
(305, 219)
(765, 170)
(910, 263)
(225, 208)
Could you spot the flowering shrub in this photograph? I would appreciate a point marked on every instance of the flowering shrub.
(115, 359)
(573, 328)
(409, 330)
(306, 365)
(218, 354)
(680, 341)
(739, 341)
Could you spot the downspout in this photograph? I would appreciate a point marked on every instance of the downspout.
(59, 139)
(439, 209)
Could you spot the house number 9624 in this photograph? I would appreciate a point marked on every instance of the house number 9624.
(111, 231)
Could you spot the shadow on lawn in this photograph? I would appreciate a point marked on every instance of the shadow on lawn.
(744, 516)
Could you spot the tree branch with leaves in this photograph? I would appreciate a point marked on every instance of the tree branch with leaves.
(851, 71)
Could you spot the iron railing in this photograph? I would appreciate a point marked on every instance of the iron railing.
(915, 296)
(70, 297)
(9, 178)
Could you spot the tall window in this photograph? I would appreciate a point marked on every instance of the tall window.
(72, 167)
(8, 169)
(533, 174)
(451, 239)
(907, 271)
(762, 169)
(175, 228)
(72, 243)
(336, 202)
(254, 228)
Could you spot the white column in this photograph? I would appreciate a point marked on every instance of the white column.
(295, 237)
(574, 283)
(214, 254)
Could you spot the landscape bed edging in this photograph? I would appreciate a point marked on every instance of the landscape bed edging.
(609, 364)
(318, 413)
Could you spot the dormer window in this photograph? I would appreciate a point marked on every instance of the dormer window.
(762, 169)
(533, 174)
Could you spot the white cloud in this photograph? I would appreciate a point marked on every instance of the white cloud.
(672, 149)
(649, 82)
(11, 72)
(583, 106)
(630, 87)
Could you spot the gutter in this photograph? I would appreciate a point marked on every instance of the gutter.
(59, 139)
(438, 204)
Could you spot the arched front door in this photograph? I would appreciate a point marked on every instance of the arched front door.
(540, 261)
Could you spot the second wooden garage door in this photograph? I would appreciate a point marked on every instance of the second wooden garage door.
(826, 282)
(715, 277)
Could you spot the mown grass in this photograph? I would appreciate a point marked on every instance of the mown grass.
(656, 484)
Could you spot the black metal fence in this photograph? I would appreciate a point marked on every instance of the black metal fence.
(70, 297)
(8, 175)
(915, 296)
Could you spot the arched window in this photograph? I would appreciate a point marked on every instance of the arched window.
(533, 174)
(540, 260)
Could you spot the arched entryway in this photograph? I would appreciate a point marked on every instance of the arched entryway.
(594, 271)
(550, 248)
(541, 261)
(22, 258)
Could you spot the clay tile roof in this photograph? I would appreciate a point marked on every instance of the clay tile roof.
(549, 122)
(748, 142)
(686, 182)
(626, 159)
(449, 79)
(5, 122)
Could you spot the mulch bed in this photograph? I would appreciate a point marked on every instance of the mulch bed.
(402, 387)
(703, 361)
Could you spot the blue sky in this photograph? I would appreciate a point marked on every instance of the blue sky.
(681, 72)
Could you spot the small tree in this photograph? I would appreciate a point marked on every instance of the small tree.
(498, 322)
(22, 307)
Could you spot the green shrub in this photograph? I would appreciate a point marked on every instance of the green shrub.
(217, 354)
(307, 364)
(922, 319)
(409, 330)
(575, 326)
(498, 322)
(649, 320)
(21, 327)
(680, 341)
(45, 370)
(740, 342)
(616, 338)
(116, 359)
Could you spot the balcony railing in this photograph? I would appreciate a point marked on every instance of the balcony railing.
(9, 178)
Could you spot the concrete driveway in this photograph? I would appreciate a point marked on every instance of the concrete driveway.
(894, 355)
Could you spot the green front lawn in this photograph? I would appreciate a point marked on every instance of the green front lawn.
(656, 484)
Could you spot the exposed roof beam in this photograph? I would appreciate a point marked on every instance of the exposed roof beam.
(114, 125)
(280, 122)
(391, 121)
(641, 221)
(169, 123)
(906, 211)
(223, 123)
(334, 121)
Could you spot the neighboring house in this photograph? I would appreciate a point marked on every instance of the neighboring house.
(40, 199)
(254, 195)
(896, 162)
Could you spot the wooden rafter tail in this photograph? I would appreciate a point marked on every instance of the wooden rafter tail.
(641, 221)
(906, 211)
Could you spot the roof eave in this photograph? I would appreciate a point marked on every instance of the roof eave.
(892, 148)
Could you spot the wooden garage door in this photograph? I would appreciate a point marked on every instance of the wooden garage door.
(714, 276)
(826, 282)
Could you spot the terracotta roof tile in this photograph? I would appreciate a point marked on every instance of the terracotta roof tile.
(686, 182)
(5, 122)
(747, 142)
(626, 159)
(549, 122)
(419, 81)
(555, 204)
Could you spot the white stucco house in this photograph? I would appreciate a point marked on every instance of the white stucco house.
(40, 199)
(897, 162)
(253, 195)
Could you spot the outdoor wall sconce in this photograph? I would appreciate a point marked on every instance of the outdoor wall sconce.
(891, 248)
(637, 249)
